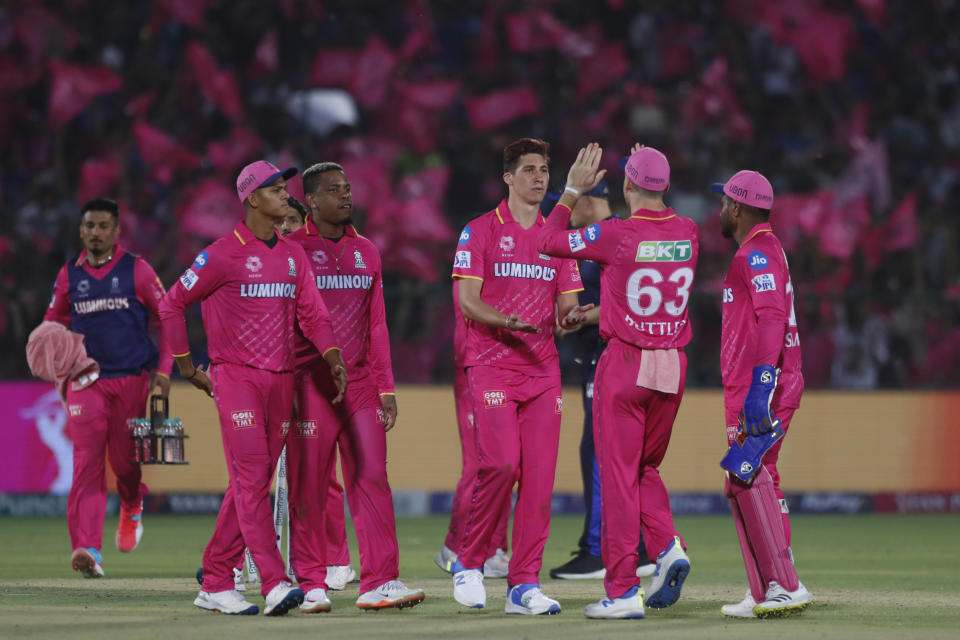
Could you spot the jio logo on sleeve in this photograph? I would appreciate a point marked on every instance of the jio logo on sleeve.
(757, 260)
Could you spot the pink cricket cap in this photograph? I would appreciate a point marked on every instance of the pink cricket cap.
(260, 174)
(648, 169)
(748, 187)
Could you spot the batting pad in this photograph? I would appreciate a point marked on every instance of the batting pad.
(763, 527)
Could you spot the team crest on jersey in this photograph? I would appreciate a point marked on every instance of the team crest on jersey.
(764, 282)
(307, 429)
(293, 267)
(243, 419)
(115, 284)
(507, 244)
(254, 264)
(319, 257)
(83, 287)
(494, 399)
(358, 260)
(558, 408)
(76, 410)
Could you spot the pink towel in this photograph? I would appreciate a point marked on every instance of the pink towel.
(57, 355)
(660, 370)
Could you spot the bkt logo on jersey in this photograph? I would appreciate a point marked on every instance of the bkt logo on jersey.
(494, 399)
(664, 251)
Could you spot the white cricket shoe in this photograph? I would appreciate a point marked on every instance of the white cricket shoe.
(468, 587)
(743, 609)
(390, 594)
(673, 566)
(629, 605)
(445, 557)
(281, 599)
(497, 565)
(238, 583)
(339, 576)
(780, 603)
(316, 601)
(229, 602)
(88, 562)
(646, 570)
(528, 600)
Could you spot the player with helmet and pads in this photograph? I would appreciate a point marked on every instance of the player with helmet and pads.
(512, 297)
(348, 276)
(648, 262)
(762, 385)
(107, 295)
(255, 287)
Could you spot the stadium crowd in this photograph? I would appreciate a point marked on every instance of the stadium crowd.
(852, 109)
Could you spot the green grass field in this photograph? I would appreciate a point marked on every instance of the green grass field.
(874, 576)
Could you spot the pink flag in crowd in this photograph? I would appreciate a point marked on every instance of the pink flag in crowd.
(74, 86)
(189, 12)
(533, 31)
(217, 86)
(265, 58)
(228, 155)
(371, 77)
(162, 153)
(37, 27)
(605, 67)
(901, 228)
(501, 107)
(97, 176)
(842, 227)
(333, 68)
(209, 209)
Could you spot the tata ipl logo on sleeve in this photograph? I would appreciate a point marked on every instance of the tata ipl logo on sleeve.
(188, 279)
(664, 251)
(462, 260)
(576, 242)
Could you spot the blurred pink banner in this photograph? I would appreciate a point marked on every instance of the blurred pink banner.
(74, 86)
(219, 87)
(38, 452)
(501, 107)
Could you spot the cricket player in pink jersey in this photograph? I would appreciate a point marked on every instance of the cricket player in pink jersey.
(348, 275)
(510, 294)
(648, 263)
(255, 288)
(497, 564)
(762, 385)
(107, 295)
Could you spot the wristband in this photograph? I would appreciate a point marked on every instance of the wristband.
(506, 322)
(575, 192)
(193, 375)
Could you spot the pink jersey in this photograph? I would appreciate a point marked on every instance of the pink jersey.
(459, 331)
(648, 263)
(518, 279)
(759, 282)
(349, 277)
(149, 291)
(252, 297)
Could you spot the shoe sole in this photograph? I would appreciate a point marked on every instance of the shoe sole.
(781, 612)
(739, 616)
(85, 564)
(252, 610)
(316, 608)
(404, 603)
(632, 616)
(669, 593)
(593, 575)
(292, 600)
(526, 612)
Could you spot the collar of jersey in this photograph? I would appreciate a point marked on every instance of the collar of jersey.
(311, 230)
(504, 215)
(245, 236)
(654, 218)
(763, 227)
(118, 252)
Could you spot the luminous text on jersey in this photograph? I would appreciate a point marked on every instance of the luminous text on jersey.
(344, 282)
(664, 251)
(522, 270)
(268, 290)
(100, 304)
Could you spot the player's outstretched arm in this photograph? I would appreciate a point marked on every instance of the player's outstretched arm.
(476, 310)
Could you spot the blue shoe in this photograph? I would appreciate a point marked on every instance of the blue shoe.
(673, 565)
(528, 600)
(629, 605)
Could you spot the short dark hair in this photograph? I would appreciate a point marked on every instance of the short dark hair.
(521, 147)
(761, 214)
(299, 208)
(101, 204)
(311, 177)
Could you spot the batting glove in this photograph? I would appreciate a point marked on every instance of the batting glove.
(745, 455)
(756, 417)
